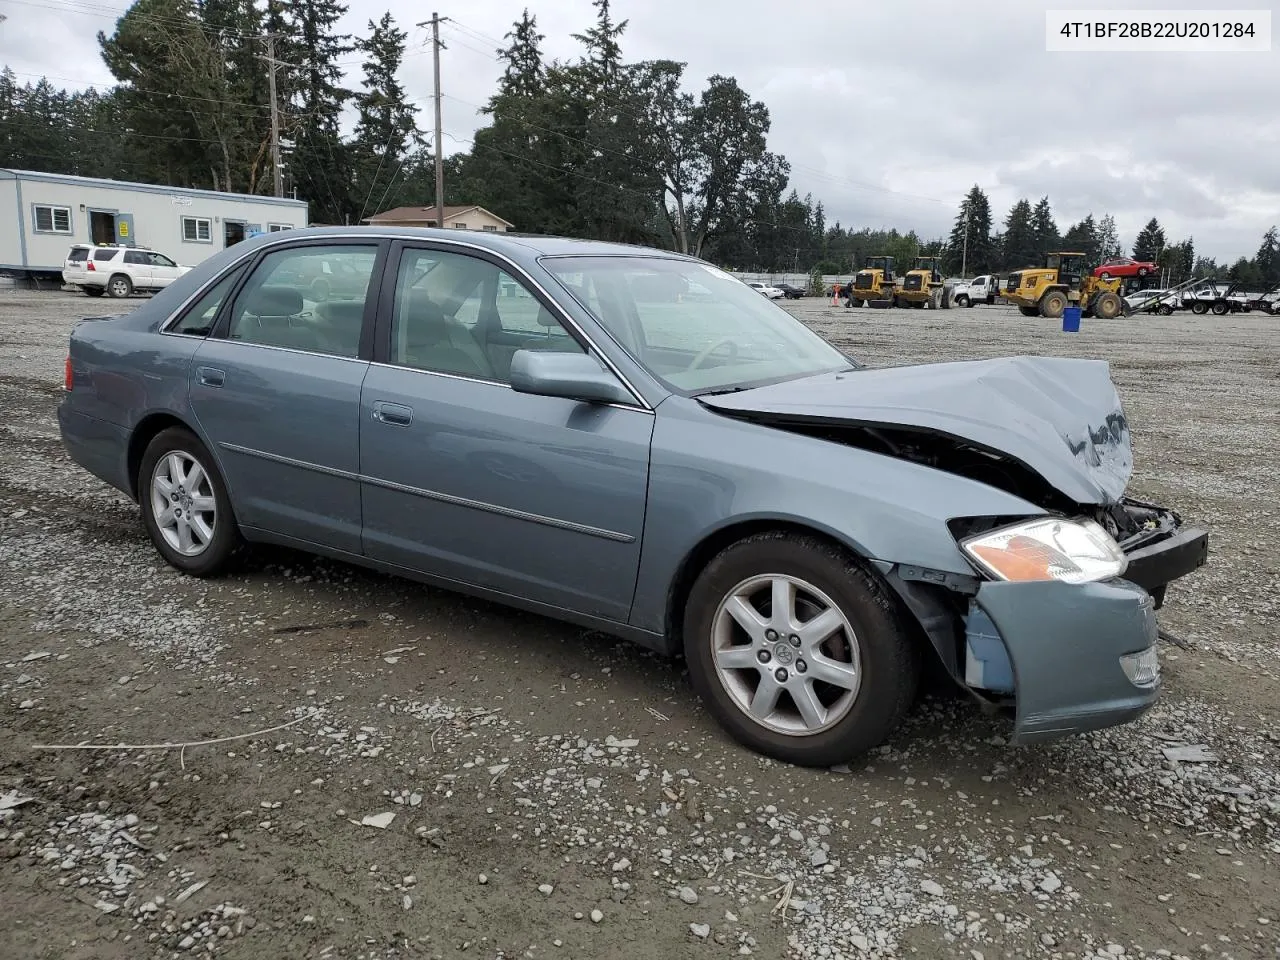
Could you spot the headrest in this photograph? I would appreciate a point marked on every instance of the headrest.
(275, 302)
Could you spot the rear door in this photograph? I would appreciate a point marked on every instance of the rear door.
(138, 267)
(276, 391)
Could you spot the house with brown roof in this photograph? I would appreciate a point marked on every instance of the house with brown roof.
(455, 218)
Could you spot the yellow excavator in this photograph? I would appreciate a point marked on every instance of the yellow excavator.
(1064, 281)
(922, 284)
(874, 284)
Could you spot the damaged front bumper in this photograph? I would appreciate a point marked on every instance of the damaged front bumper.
(1080, 657)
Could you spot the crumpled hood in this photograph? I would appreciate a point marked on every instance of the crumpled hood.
(1061, 417)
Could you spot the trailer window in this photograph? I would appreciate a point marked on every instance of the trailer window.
(50, 219)
(197, 230)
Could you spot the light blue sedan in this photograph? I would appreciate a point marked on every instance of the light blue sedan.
(637, 442)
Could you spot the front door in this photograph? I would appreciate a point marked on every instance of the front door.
(462, 477)
(163, 270)
(276, 390)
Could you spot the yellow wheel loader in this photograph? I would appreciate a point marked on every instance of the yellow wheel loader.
(875, 284)
(922, 284)
(1064, 281)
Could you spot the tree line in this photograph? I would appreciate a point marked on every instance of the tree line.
(591, 146)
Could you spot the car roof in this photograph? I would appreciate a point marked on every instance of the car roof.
(521, 245)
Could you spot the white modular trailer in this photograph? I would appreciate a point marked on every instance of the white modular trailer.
(43, 214)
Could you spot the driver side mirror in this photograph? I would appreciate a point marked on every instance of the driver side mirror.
(574, 376)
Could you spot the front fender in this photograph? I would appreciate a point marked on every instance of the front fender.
(709, 472)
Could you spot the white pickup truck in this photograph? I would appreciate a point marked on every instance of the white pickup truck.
(981, 289)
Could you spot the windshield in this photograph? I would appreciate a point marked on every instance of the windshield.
(693, 326)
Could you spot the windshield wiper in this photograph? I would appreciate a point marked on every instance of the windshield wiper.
(718, 393)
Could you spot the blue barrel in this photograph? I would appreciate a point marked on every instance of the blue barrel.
(1071, 320)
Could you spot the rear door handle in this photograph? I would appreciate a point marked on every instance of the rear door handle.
(212, 377)
(393, 413)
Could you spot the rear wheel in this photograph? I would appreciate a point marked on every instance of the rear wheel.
(1219, 308)
(93, 291)
(1052, 304)
(798, 651)
(185, 506)
(119, 286)
(1200, 307)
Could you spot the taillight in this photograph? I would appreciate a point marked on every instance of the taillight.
(89, 266)
(67, 378)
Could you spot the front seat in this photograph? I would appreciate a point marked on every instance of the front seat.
(435, 341)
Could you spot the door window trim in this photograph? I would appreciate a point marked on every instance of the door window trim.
(222, 324)
(381, 355)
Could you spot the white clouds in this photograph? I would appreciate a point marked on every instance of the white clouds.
(924, 98)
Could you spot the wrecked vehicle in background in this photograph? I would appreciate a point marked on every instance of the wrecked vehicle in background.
(634, 441)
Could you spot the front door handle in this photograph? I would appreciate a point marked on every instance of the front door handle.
(394, 413)
(212, 377)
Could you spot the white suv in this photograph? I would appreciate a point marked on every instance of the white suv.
(118, 271)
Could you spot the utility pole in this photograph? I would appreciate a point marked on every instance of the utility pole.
(275, 116)
(964, 249)
(435, 22)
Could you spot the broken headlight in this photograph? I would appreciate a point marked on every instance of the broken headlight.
(1047, 548)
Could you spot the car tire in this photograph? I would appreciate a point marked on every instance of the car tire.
(119, 286)
(870, 651)
(93, 291)
(1164, 310)
(1104, 275)
(170, 457)
(962, 301)
(1143, 271)
(1199, 307)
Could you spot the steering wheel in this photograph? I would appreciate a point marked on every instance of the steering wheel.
(707, 351)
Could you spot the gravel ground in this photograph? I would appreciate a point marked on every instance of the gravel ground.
(445, 778)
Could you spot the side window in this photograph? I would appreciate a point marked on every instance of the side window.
(462, 315)
(199, 319)
(133, 256)
(308, 298)
(101, 255)
(160, 260)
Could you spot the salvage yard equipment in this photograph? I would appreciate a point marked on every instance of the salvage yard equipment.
(1164, 303)
(874, 285)
(1063, 281)
(1267, 303)
(922, 284)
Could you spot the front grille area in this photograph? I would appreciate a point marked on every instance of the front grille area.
(1014, 280)
(864, 281)
(913, 282)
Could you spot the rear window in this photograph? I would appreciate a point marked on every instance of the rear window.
(78, 254)
(105, 254)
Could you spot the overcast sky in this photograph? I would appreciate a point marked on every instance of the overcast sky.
(888, 112)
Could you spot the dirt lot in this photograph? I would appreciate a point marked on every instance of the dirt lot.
(557, 793)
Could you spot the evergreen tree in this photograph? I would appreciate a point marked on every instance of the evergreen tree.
(1267, 260)
(386, 134)
(319, 162)
(972, 254)
(1044, 229)
(603, 51)
(524, 74)
(1018, 245)
(1084, 238)
(1150, 242)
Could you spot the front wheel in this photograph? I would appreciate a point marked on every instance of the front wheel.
(185, 506)
(798, 651)
(962, 301)
(1052, 305)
